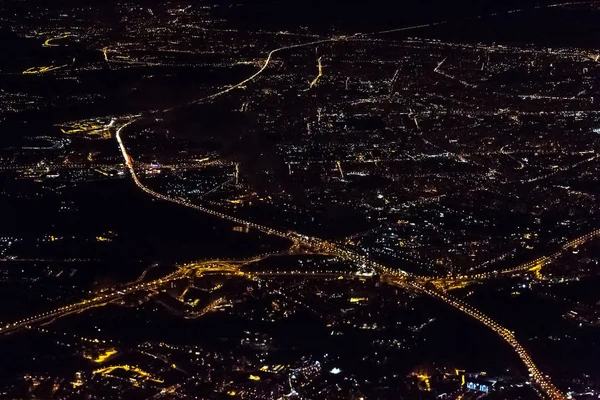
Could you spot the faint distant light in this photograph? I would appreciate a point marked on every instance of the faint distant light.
(335, 371)
(380, 196)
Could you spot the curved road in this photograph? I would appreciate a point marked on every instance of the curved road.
(395, 277)
(400, 278)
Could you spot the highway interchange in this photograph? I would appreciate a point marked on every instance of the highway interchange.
(392, 276)
(436, 288)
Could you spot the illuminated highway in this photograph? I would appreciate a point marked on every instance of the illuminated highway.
(505, 334)
(184, 272)
(392, 277)
(312, 243)
(320, 74)
(533, 265)
(42, 69)
(395, 277)
(109, 295)
(47, 42)
(98, 300)
(400, 278)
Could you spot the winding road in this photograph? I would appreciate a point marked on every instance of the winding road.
(391, 276)
(394, 277)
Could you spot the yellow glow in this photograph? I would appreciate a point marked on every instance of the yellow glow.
(47, 41)
(86, 127)
(425, 380)
(314, 82)
(41, 70)
(358, 299)
(140, 372)
(103, 357)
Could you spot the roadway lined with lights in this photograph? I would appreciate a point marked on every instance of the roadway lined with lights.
(533, 265)
(109, 295)
(185, 272)
(392, 277)
(312, 243)
(43, 69)
(319, 75)
(401, 278)
(505, 334)
(98, 300)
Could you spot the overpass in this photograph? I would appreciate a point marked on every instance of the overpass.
(401, 278)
